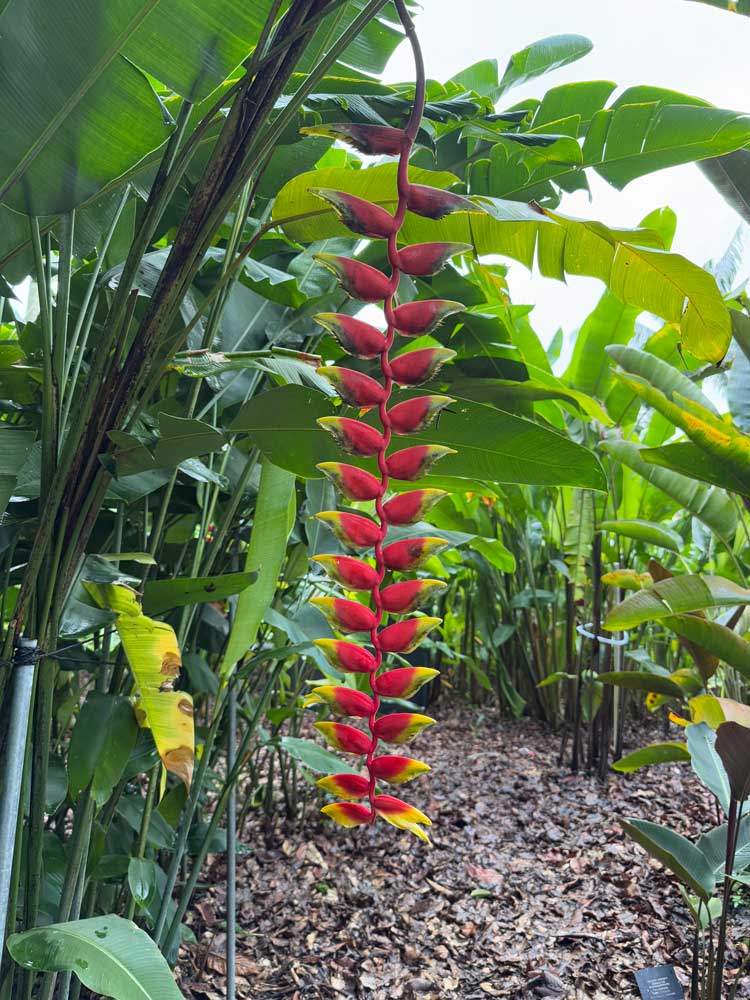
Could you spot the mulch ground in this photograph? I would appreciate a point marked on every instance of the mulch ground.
(529, 890)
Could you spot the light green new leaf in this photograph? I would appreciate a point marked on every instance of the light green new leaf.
(111, 957)
(674, 851)
(711, 506)
(275, 511)
(662, 376)
(677, 595)
(655, 753)
(490, 444)
(645, 531)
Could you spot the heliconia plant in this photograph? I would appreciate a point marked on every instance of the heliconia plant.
(360, 801)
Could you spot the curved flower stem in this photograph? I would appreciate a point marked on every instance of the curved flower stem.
(389, 304)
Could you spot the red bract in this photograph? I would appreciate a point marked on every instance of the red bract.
(347, 786)
(352, 530)
(375, 140)
(404, 637)
(344, 737)
(414, 415)
(413, 463)
(341, 700)
(425, 259)
(408, 508)
(345, 616)
(409, 595)
(419, 366)
(401, 727)
(354, 388)
(410, 416)
(403, 682)
(433, 203)
(347, 656)
(351, 482)
(413, 319)
(357, 279)
(356, 337)
(352, 573)
(397, 770)
(411, 553)
(352, 436)
(360, 216)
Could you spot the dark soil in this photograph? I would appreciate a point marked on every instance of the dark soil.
(530, 889)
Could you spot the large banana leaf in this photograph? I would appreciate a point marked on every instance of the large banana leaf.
(664, 283)
(111, 956)
(78, 113)
(678, 595)
(543, 56)
(275, 511)
(711, 506)
(154, 657)
(579, 535)
(730, 175)
(490, 444)
(645, 531)
(681, 857)
(715, 637)
(611, 322)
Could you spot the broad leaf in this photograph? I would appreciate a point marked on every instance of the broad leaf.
(103, 739)
(681, 857)
(676, 596)
(706, 762)
(111, 957)
(275, 510)
(15, 445)
(316, 757)
(733, 746)
(655, 753)
(542, 57)
(642, 680)
(715, 637)
(490, 444)
(645, 531)
(161, 595)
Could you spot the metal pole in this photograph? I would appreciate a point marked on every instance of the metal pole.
(24, 665)
(231, 950)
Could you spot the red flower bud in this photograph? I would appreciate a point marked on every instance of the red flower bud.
(354, 388)
(345, 738)
(408, 595)
(396, 770)
(410, 553)
(414, 415)
(345, 616)
(347, 786)
(419, 366)
(413, 319)
(405, 636)
(401, 815)
(347, 656)
(352, 530)
(375, 140)
(360, 216)
(413, 463)
(401, 727)
(357, 279)
(356, 337)
(403, 682)
(408, 508)
(424, 259)
(352, 573)
(353, 483)
(353, 436)
(341, 700)
(433, 203)
(348, 814)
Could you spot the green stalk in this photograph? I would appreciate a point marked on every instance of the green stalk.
(62, 308)
(145, 822)
(79, 849)
(49, 405)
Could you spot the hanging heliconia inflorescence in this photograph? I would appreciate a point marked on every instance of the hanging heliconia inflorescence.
(363, 803)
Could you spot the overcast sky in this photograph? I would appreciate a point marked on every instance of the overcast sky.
(689, 47)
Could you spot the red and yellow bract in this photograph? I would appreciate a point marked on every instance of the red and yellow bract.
(361, 802)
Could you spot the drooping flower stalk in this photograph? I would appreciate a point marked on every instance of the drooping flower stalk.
(362, 802)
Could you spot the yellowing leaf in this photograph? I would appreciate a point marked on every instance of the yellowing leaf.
(154, 657)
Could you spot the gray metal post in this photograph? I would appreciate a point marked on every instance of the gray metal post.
(24, 664)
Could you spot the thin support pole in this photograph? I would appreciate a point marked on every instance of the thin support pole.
(231, 947)
(23, 684)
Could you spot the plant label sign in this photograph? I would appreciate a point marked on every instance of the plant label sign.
(659, 983)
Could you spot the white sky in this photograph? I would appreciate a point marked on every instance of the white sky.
(688, 47)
